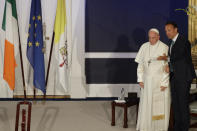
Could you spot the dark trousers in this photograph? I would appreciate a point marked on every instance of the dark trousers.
(180, 103)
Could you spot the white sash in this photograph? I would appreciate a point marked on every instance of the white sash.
(158, 110)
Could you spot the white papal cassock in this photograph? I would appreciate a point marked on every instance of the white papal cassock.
(154, 107)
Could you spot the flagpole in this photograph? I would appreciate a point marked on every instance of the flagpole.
(48, 68)
(21, 58)
(34, 93)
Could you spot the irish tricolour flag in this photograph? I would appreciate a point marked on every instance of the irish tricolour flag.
(10, 27)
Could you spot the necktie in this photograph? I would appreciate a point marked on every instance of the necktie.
(170, 65)
(171, 45)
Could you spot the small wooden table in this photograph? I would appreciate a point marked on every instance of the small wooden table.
(125, 106)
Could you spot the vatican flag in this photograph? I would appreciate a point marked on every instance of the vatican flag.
(61, 53)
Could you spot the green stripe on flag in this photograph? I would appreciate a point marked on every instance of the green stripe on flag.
(13, 4)
(4, 17)
(14, 12)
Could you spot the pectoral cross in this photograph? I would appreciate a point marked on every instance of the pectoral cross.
(149, 61)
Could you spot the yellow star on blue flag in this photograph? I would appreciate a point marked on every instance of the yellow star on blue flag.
(35, 45)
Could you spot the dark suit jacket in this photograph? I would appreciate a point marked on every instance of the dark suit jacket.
(180, 60)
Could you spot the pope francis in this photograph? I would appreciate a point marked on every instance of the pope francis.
(154, 107)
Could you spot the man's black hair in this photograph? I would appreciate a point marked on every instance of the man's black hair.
(172, 23)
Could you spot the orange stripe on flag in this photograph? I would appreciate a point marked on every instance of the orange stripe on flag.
(9, 64)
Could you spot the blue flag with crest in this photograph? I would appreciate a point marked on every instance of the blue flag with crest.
(35, 53)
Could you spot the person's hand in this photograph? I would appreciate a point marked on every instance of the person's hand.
(167, 69)
(163, 88)
(141, 84)
(164, 57)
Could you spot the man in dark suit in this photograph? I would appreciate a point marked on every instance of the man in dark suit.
(181, 75)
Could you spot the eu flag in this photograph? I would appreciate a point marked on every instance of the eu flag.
(35, 54)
